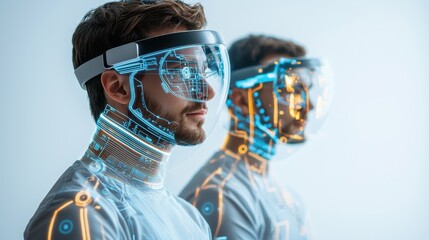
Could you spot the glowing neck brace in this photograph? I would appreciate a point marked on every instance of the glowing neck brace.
(126, 155)
(238, 148)
(253, 136)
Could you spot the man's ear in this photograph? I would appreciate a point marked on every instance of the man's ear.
(239, 99)
(116, 87)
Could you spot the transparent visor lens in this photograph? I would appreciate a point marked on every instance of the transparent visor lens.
(178, 93)
(304, 89)
(192, 73)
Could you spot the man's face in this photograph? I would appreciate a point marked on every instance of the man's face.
(289, 119)
(184, 118)
(287, 106)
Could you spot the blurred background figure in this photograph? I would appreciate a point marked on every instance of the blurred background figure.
(272, 93)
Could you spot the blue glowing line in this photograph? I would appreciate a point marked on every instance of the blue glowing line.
(252, 81)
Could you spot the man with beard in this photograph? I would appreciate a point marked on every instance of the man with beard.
(150, 75)
(269, 101)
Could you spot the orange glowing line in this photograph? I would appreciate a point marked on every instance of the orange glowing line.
(258, 87)
(96, 185)
(224, 142)
(82, 224)
(197, 193)
(230, 174)
(251, 112)
(217, 171)
(51, 224)
(292, 103)
(261, 167)
(232, 154)
(276, 107)
(244, 137)
(286, 136)
(242, 132)
(295, 137)
(220, 209)
(289, 81)
(298, 115)
(257, 157)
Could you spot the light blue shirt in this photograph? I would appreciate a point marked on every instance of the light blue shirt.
(241, 200)
(84, 204)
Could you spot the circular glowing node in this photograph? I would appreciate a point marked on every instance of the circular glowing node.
(186, 72)
(242, 149)
(65, 227)
(82, 199)
(207, 208)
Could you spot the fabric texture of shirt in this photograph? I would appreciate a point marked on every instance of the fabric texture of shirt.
(240, 201)
(87, 205)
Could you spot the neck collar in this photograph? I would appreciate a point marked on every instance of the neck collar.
(126, 155)
(239, 148)
(250, 135)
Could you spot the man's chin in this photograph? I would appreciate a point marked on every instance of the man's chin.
(189, 137)
(296, 141)
(293, 138)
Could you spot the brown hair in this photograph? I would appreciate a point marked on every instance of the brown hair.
(117, 23)
(250, 50)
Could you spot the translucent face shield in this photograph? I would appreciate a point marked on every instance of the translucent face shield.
(304, 87)
(290, 99)
(178, 83)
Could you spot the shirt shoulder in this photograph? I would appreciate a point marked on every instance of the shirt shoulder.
(75, 208)
(223, 193)
(221, 171)
(195, 215)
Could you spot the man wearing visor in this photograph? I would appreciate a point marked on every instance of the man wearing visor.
(152, 80)
(276, 96)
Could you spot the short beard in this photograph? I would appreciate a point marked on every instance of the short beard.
(183, 135)
(292, 135)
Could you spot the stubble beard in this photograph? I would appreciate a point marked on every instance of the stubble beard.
(186, 132)
(293, 133)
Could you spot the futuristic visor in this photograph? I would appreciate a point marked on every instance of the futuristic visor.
(130, 54)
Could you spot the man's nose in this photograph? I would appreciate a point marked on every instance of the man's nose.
(207, 94)
(210, 92)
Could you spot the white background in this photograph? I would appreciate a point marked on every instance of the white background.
(364, 177)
